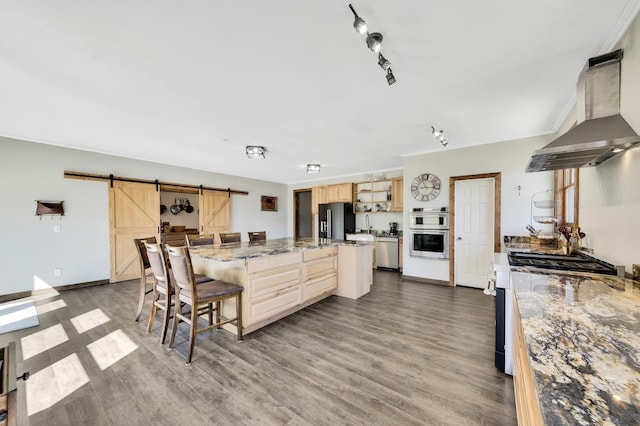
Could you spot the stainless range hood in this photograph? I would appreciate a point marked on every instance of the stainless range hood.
(601, 132)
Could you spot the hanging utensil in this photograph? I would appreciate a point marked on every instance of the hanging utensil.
(188, 207)
(175, 208)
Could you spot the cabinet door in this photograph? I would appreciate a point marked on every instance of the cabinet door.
(134, 212)
(318, 196)
(396, 194)
(332, 193)
(345, 192)
(214, 212)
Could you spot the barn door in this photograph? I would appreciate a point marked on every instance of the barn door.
(215, 211)
(134, 212)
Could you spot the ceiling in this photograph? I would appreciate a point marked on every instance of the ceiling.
(192, 83)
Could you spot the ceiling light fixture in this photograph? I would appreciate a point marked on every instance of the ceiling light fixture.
(390, 78)
(358, 23)
(383, 62)
(253, 151)
(313, 168)
(374, 42)
(439, 135)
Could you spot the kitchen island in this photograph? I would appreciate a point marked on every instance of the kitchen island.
(576, 348)
(282, 276)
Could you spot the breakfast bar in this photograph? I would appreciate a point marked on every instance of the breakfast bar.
(282, 276)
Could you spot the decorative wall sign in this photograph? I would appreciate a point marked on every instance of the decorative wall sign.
(49, 208)
(269, 204)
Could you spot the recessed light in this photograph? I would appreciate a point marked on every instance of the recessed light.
(313, 168)
(253, 151)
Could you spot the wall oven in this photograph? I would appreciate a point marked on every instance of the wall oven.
(429, 234)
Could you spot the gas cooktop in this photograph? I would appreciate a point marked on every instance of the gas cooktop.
(575, 262)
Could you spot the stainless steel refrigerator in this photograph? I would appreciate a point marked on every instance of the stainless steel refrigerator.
(336, 220)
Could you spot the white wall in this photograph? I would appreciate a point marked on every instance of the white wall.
(30, 249)
(610, 193)
(509, 158)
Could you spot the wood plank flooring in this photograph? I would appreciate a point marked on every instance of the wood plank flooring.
(408, 353)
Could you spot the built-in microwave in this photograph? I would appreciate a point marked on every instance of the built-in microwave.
(429, 220)
(429, 243)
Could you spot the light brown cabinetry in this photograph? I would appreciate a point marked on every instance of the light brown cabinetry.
(336, 193)
(340, 193)
(527, 405)
(396, 194)
(318, 196)
(319, 272)
(273, 286)
(379, 196)
(355, 274)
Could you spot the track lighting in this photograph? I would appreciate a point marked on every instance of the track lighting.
(374, 43)
(358, 23)
(255, 151)
(313, 168)
(439, 135)
(383, 62)
(390, 78)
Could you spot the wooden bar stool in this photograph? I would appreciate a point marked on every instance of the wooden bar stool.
(200, 298)
(230, 237)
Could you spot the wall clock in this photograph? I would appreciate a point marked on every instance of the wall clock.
(425, 187)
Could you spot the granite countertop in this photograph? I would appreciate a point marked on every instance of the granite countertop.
(582, 333)
(246, 250)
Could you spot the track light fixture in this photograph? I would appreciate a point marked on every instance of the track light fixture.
(390, 78)
(374, 43)
(253, 151)
(358, 23)
(383, 62)
(439, 135)
(313, 168)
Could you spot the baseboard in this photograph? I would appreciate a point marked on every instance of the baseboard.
(426, 280)
(52, 290)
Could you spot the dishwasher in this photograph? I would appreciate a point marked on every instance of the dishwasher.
(387, 252)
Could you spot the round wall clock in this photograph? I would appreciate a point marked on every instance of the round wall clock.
(425, 187)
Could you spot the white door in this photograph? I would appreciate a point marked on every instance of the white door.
(474, 227)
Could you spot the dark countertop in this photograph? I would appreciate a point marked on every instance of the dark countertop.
(246, 250)
(582, 333)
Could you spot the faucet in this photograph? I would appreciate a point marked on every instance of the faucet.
(366, 222)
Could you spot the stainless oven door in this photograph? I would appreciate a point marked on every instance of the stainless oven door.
(429, 243)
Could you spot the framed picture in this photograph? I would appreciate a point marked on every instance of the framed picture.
(269, 204)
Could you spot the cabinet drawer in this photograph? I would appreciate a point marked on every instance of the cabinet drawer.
(317, 287)
(319, 268)
(272, 280)
(319, 253)
(270, 262)
(273, 305)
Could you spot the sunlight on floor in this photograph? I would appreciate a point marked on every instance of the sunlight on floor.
(40, 284)
(54, 383)
(89, 320)
(51, 306)
(43, 340)
(111, 348)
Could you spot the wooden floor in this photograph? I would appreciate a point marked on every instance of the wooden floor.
(407, 353)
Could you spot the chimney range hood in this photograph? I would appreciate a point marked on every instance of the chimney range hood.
(601, 132)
